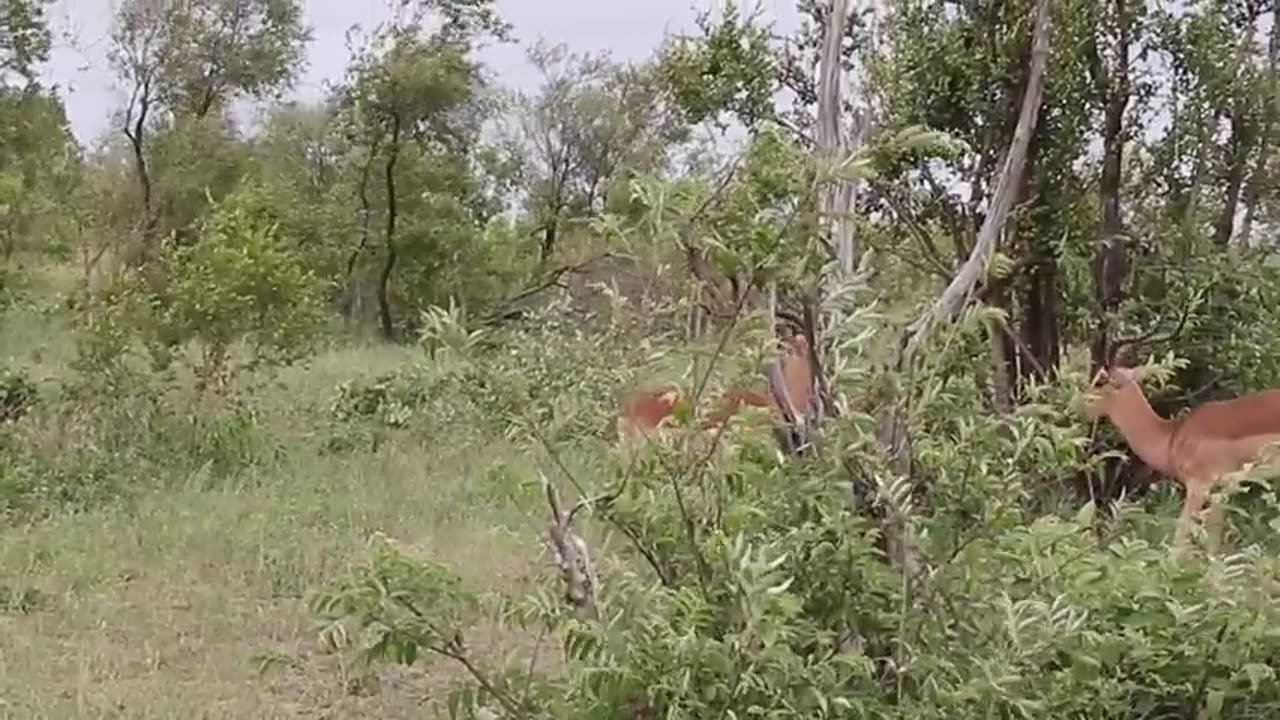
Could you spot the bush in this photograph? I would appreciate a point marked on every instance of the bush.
(240, 282)
(106, 438)
(754, 587)
(18, 394)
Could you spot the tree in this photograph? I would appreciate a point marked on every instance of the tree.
(39, 165)
(222, 49)
(303, 160)
(192, 58)
(39, 158)
(240, 282)
(25, 39)
(592, 123)
(415, 99)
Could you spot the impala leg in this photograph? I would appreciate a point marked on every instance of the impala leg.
(1197, 493)
(1215, 526)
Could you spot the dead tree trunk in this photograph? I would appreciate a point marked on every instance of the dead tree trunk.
(838, 196)
(893, 436)
(1270, 111)
(837, 200)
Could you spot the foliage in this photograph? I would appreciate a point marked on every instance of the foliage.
(731, 69)
(782, 604)
(194, 58)
(506, 381)
(39, 166)
(17, 395)
(593, 123)
(106, 437)
(731, 581)
(239, 283)
(25, 39)
(414, 102)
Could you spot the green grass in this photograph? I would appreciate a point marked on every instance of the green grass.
(189, 600)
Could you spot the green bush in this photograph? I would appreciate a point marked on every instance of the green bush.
(105, 438)
(753, 587)
(240, 282)
(18, 394)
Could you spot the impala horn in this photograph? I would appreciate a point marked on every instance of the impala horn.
(1123, 348)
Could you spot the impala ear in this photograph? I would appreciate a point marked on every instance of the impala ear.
(668, 398)
(1100, 378)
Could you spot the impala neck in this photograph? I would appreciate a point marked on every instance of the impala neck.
(1148, 434)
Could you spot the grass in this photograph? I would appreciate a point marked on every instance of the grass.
(189, 600)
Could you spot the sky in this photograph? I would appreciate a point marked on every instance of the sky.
(631, 29)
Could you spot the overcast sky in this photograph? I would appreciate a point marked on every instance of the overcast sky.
(630, 28)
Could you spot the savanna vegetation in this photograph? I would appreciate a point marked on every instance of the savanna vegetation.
(314, 416)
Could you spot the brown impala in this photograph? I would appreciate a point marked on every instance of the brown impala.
(643, 411)
(1198, 450)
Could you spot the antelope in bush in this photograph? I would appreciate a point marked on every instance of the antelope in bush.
(790, 396)
(1199, 450)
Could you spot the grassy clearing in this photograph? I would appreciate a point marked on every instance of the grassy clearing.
(189, 600)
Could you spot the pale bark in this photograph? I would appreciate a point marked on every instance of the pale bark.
(960, 290)
(893, 435)
(839, 195)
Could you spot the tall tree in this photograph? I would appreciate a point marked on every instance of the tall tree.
(591, 123)
(415, 98)
(189, 58)
(39, 165)
(1111, 65)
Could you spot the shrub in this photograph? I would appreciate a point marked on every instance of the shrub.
(239, 282)
(18, 394)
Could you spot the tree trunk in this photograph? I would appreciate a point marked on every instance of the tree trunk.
(1262, 159)
(838, 196)
(550, 231)
(960, 290)
(1111, 257)
(1238, 158)
(893, 435)
(384, 303)
(1004, 366)
(366, 215)
(135, 131)
(1191, 206)
(1040, 325)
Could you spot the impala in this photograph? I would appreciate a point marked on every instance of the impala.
(644, 411)
(1199, 450)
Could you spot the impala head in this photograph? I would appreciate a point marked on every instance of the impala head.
(1117, 379)
(1107, 387)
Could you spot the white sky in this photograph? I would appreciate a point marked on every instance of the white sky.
(630, 28)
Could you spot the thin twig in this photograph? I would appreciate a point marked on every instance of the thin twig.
(459, 655)
(533, 663)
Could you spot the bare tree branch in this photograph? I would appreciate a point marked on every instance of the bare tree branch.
(893, 432)
(572, 557)
(548, 281)
(961, 288)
